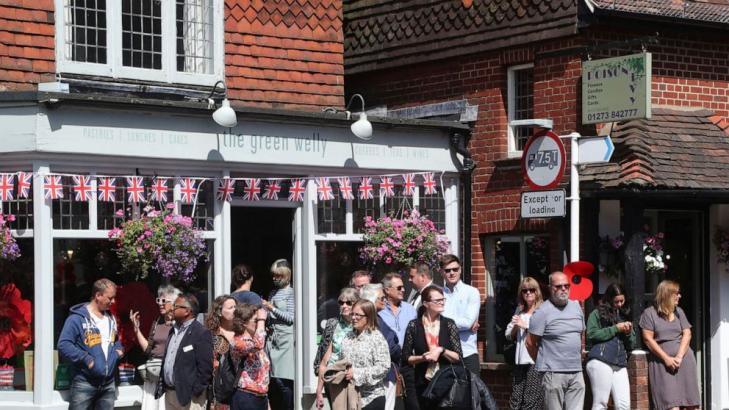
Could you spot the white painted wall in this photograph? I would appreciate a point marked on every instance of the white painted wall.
(718, 331)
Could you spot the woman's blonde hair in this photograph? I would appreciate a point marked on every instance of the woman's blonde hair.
(663, 303)
(282, 268)
(529, 283)
(370, 312)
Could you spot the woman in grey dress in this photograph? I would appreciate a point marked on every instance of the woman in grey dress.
(672, 365)
(280, 341)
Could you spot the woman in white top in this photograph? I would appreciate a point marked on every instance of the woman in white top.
(526, 383)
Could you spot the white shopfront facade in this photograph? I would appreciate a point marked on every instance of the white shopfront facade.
(119, 139)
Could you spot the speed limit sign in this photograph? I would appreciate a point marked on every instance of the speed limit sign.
(543, 160)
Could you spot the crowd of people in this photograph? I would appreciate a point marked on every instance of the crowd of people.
(383, 350)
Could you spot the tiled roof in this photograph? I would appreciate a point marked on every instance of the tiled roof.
(672, 150)
(714, 11)
(285, 54)
(387, 33)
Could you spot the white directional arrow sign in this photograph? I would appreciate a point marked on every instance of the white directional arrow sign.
(595, 149)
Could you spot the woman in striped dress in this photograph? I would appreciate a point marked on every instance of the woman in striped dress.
(280, 342)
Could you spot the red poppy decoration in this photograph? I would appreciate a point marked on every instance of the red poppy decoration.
(133, 296)
(15, 318)
(578, 274)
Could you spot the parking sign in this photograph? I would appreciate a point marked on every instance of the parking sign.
(543, 160)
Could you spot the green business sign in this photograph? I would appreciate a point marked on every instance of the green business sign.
(616, 89)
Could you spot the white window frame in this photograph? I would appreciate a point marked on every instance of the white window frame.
(513, 152)
(114, 68)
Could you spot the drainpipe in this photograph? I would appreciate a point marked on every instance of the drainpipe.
(459, 145)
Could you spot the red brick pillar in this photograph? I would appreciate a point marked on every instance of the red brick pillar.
(638, 375)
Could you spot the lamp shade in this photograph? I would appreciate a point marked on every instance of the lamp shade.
(362, 128)
(225, 116)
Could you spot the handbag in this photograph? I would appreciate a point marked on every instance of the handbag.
(459, 393)
(610, 351)
(400, 390)
(225, 379)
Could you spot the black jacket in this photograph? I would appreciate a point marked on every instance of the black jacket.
(415, 344)
(193, 366)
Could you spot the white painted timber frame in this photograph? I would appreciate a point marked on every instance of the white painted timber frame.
(513, 152)
(114, 67)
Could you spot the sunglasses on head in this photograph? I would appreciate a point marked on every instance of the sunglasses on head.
(345, 302)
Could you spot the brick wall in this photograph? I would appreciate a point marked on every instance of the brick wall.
(27, 54)
(285, 54)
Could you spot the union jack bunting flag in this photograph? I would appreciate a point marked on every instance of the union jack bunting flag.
(135, 189)
(188, 190)
(366, 190)
(52, 187)
(429, 183)
(324, 189)
(297, 189)
(107, 189)
(7, 184)
(24, 181)
(345, 188)
(252, 189)
(387, 188)
(82, 189)
(160, 189)
(226, 186)
(271, 191)
(408, 187)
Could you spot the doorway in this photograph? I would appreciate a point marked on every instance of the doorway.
(259, 236)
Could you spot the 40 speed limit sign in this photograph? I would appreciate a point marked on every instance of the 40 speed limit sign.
(543, 160)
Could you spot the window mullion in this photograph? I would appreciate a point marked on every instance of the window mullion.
(114, 36)
(169, 43)
(349, 223)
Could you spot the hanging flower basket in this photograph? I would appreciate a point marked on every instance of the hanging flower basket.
(9, 249)
(159, 241)
(391, 243)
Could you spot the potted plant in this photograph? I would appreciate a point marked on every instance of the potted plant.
(391, 244)
(159, 241)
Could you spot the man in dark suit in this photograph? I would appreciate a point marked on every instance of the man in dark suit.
(188, 365)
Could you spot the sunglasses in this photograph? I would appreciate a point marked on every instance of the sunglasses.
(382, 298)
(357, 316)
(562, 286)
(181, 306)
(399, 288)
(449, 270)
(528, 290)
(162, 301)
(438, 301)
(345, 302)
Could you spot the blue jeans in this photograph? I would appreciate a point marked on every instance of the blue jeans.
(242, 400)
(86, 396)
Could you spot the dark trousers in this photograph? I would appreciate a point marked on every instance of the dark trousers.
(473, 363)
(376, 404)
(87, 396)
(281, 393)
(242, 400)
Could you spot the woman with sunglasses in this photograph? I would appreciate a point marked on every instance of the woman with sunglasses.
(610, 336)
(366, 350)
(526, 381)
(220, 323)
(431, 341)
(155, 343)
(330, 347)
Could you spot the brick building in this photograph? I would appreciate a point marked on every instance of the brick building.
(121, 93)
(488, 63)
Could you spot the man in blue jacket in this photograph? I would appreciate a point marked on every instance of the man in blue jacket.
(89, 340)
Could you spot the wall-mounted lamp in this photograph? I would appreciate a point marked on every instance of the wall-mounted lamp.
(225, 115)
(361, 128)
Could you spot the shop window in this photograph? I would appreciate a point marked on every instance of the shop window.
(396, 204)
(89, 31)
(22, 209)
(204, 213)
(77, 263)
(17, 300)
(106, 210)
(332, 215)
(520, 106)
(509, 260)
(433, 206)
(362, 208)
(335, 262)
(67, 212)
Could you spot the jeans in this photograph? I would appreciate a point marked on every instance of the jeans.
(606, 379)
(86, 396)
(242, 400)
(563, 391)
(281, 393)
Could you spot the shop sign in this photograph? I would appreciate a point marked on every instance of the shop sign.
(616, 89)
(543, 204)
(543, 160)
